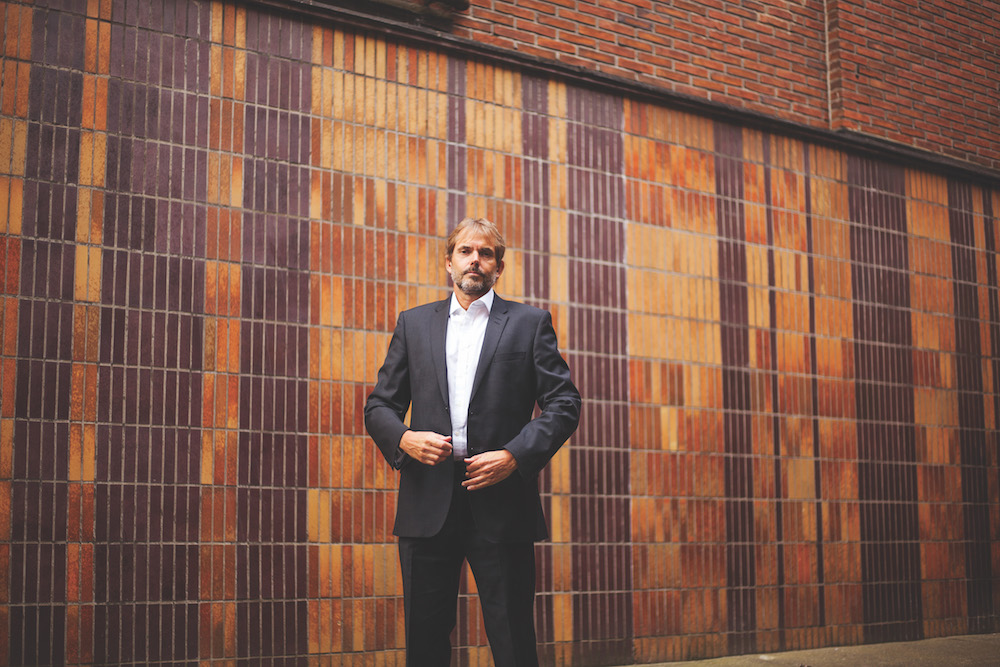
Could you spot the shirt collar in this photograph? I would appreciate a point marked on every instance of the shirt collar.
(486, 299)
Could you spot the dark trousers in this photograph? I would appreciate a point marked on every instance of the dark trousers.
(505, 576)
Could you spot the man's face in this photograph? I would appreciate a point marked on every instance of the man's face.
(473, 264)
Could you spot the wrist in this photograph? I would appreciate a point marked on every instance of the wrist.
(405, 441)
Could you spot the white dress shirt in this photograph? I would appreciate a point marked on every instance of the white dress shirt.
(463, 344)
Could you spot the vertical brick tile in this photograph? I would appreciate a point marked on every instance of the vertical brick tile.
(211, 215)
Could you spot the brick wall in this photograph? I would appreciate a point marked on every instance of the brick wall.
(210, 215)
(927, 76)
(924, 74)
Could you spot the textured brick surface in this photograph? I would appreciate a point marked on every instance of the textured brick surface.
(926, 76)
(210, 216)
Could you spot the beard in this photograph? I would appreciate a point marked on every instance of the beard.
(474, 283)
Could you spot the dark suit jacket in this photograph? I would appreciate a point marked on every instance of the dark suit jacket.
(519, 366)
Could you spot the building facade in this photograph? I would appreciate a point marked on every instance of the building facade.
(767, 233)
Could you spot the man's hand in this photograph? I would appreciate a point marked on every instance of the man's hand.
(427, 447)
(488, 468)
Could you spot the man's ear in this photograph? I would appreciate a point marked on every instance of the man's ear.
(500, 266)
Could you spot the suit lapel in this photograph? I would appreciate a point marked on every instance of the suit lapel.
(495, 327)
(438, 332)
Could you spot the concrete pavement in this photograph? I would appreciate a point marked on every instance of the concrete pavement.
(961, 651)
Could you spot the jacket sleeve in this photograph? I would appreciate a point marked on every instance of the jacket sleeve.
(389, 401)
(557, 398)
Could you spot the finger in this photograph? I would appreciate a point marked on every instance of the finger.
(434, 455)
(482, 471)
(475, 462)
(480, 483)
(477, 479)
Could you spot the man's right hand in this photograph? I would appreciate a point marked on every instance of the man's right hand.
(427, 447)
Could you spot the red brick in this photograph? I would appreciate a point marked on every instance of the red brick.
(577, 17)
(642, 67)
(575, 61)
(595, 55)
(537, 6)
(518, 11)
(597, 34)
(636, 44)
(535, 27)
(500, 42)
(493, 18)
(616, 6)
(519, 36)
(616, 27)
(874, 66)
(556, 45)
(531, 50)
(619, 51)
(579, 40)
(595, 10)
(559, 23)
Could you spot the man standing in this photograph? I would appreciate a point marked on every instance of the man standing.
(472, 367)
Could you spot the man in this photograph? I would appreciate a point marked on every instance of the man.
(473, 367)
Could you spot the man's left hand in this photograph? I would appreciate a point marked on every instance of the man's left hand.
(488, 468)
